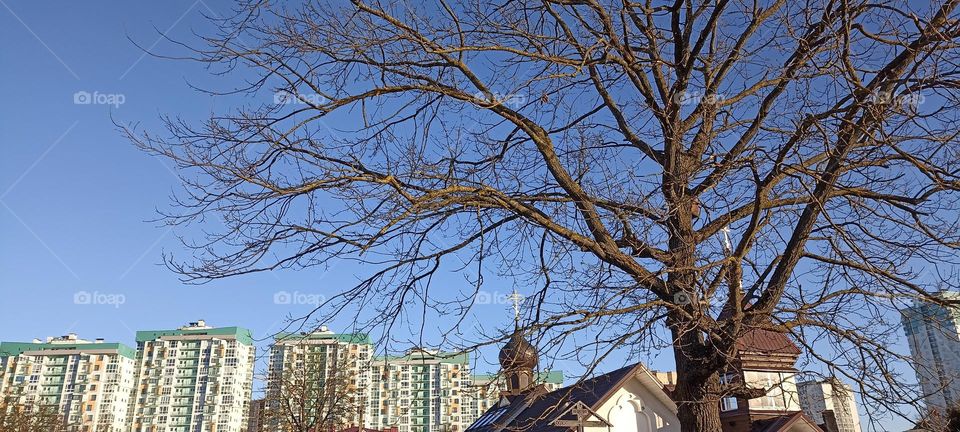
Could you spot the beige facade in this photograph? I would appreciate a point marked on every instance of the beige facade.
(324, 375)
(88, 384)
(193, 379)
(420, 391)
(819, 396)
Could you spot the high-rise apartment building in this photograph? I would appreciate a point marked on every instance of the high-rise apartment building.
(421, 391)
(193, 379)
(934, 335)
(318, 379)
(87, 384)
(816, 397)
(256, 418)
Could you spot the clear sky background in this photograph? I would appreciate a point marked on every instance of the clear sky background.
(78, 201)
(76, 198)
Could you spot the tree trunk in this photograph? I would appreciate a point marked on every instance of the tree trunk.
(699, 416)
(698, 385)
(698, 407)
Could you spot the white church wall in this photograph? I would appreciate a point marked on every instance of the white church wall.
(634, 408)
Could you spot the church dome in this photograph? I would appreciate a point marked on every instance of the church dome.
(518, 354)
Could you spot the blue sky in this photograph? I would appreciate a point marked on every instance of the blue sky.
(77, 199)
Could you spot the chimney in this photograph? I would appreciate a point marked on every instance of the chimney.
(98, 340)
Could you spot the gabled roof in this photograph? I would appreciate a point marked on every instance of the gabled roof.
(766, 341)
(784, 423)
(760, 340)
(537, 410)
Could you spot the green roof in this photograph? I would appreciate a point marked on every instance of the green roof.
(241, 334)
(358, 338)
(552, 377)
(17, 348)
(442, 357)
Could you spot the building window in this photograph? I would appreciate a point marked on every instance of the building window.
(728, 403)
(777, 386)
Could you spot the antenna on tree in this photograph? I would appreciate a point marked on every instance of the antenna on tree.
(727, 245)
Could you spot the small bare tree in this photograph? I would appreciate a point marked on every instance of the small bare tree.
(311, 396)
(644, 165)
(17, 417)
(953, 419)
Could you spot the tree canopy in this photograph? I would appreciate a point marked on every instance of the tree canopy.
(637, 166)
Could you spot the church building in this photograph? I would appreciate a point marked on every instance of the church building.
(629, 399)
(632, 399)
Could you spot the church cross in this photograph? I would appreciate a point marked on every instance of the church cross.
(516, 298)
(582, 413)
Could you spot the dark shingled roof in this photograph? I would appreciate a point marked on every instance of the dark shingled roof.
(535, 410)
(782, 423)
(761, 340)
(766, 341)
(538, 408)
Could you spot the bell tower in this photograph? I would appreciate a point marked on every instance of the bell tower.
(518, 361)
(765, 368)
(518, 358)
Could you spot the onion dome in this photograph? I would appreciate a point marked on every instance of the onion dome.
(518, 354)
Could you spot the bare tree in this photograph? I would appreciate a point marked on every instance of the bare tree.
(953, 419)
(18, 417)
(22, 411)
(600, 151)
(936, 421)
(311, 396)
